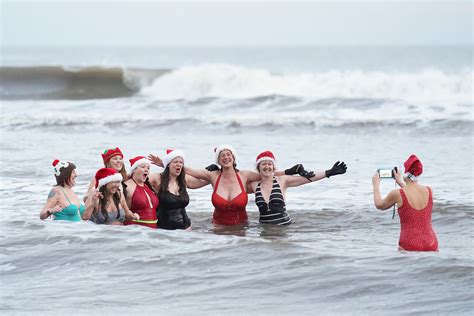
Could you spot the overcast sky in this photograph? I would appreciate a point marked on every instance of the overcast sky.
(232, 23)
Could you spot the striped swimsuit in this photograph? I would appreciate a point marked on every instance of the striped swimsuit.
(275, 211)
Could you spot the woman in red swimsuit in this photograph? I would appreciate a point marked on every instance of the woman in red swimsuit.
(140, 197)
(415, 204)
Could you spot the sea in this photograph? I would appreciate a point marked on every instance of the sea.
(369, 106)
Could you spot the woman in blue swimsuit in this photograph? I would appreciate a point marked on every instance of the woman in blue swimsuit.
(63, 203)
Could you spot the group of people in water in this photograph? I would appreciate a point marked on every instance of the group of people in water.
(159, 200)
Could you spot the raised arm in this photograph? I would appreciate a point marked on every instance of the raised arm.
(89, 189)
(201, 174)
(310, 176)
(390, 200)
(195, 183)
(92, 202)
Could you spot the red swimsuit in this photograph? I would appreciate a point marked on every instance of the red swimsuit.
(141, 205)
(229, 212)
(416, 233)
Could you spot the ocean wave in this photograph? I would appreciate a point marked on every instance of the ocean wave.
(226, 81)
(230, 81)
(72, 83)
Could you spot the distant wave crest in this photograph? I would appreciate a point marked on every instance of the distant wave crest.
(229, 81)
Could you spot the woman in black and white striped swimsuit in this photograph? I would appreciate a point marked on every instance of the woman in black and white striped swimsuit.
(272, 188)
(273, 212)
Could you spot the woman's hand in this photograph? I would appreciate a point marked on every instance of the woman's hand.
(155, 160)
(55, 209)
(398, 177)
(135, 216)
(94, 195)
(376, 180)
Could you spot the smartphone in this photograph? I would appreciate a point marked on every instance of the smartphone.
(385, 173)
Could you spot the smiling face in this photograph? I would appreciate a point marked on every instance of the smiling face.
(116, 162)
(176, 166)
(226, 159)
(113, 187)
(266, 168)
(140, 174)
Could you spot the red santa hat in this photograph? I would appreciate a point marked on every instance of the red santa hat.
(109, 153)
(58, 165)
(266, 155)
(137, 161)
(413, 167)
(170, 155)
(219, 149)
(106, 175)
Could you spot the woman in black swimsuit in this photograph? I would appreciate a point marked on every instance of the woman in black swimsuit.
(270, 190)
(171, 186)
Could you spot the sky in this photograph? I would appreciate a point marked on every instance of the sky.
(232, 23)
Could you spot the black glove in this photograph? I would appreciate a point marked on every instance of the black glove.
(296, 169)
(338, 168)
(212, 167)
(306, 174)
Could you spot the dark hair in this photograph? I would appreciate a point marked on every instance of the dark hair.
(105, 198)
(65, 177)
(165, 180)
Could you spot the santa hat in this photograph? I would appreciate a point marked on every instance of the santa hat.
(58, 165)
(217, 151)
(135, 162)
(413, 167)
(109, 153)
(266, 155)
(106, 175)
(170, 155)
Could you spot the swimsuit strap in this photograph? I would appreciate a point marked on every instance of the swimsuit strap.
(240, 182)
(66, 196)
(217, 182)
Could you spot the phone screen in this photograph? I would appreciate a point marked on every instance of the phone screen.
(385, 173)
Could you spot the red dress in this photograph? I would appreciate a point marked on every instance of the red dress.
(229, 212)
(141, 206)
(416, 232)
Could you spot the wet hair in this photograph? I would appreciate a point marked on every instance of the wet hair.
(116, 198)
(165, 180)
(65, 177)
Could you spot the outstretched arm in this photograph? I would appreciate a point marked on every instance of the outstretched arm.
(201, 174)
(195, 183)
(310, 176)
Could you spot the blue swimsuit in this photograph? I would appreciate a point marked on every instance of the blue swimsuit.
(70, 213)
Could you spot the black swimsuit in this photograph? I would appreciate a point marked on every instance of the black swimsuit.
(275, 211)
(171, 211)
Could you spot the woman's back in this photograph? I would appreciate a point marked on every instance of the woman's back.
(416, 232)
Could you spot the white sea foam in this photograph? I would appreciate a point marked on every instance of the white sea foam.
(230, 81)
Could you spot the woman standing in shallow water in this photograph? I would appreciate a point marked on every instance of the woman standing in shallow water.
(272, 188)
(140, 197)
(106, 204)
(171, 186)
(229, 196)
(415, 205)
(63, 203)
